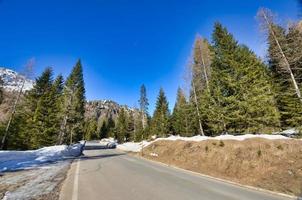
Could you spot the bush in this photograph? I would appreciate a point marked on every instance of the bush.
(221, 143)
(206, 148)
(259, 153)
(279, 147)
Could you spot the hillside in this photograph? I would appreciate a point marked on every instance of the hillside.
(270, 164)
(101, 110)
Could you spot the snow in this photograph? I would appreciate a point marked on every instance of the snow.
(13, 81)
(291, 131)
(17, 160)
(136, 147)
(133, 146)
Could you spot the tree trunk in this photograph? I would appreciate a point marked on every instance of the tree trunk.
(284, 57)
(12, 116)
(197, 110)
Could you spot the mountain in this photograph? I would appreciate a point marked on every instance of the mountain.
(13, 80)
(105, 109)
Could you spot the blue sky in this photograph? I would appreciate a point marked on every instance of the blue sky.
(124, 43)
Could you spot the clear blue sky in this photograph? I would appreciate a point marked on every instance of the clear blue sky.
(124, 43)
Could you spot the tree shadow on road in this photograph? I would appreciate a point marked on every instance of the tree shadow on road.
(101, 156)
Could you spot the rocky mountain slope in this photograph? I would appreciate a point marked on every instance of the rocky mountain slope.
(13, 80)
(105, 109)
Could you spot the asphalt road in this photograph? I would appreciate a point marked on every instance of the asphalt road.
(113, 175)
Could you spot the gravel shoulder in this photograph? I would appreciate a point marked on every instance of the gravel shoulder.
(40, 183)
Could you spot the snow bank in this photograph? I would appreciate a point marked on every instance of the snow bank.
(136, 147)
(133, 146)
(224, 137)
(16, 160)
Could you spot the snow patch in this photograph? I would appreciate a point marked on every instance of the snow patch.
(137, 146)
(17, 160)
(133, 146)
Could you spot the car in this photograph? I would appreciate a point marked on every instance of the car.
(111, 145)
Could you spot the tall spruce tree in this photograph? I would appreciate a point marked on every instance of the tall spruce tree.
(241, 98)
(160, 121)
(129, 136)
(285, 48)
(72, 127)
(121, 129)
(104, 130)
(39, 105)
(180, 117)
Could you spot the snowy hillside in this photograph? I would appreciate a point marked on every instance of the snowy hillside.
(12, 80)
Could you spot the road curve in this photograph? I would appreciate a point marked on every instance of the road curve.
(113, 175)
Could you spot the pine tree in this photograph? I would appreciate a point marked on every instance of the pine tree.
(160, 121)
(91, 132)
(48, 113)
(72, 127)
(39, 101)
(241, 97)
(285, 48)
(121, 126)
(180, 117)
(129, 136)
(104, 130)
(110, 127)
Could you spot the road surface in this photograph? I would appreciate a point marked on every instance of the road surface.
(112, 175)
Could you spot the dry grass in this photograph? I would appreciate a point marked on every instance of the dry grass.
(270, 164)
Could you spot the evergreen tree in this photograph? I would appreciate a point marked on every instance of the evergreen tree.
(110, 127)
(104, 130)
(72, 128)
(39, 106)
(121, 127)
(91, 132)
(47, 115)
(160, 121)
(129, 136)
(241, 98)
(179, 119)
(290, 42)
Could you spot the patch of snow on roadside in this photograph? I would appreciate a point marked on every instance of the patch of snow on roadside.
(133, 146)
(137, 146)
(17, 160)
(223, 137)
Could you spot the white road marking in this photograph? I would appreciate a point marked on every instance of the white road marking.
(76, 181)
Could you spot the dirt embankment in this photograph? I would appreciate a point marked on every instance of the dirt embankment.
(270, 164)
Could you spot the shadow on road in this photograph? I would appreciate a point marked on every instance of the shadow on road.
(95, 147)
(101, 156)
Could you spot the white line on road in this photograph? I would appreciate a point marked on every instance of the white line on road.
(76, 181)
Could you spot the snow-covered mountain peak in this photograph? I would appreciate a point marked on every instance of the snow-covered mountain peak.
(13, 80)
